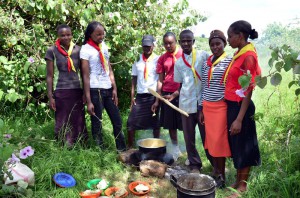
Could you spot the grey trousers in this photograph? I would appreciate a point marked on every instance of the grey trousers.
(188, 125)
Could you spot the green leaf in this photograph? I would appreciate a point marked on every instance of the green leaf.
(292, 83)
(1, 94)
(22, 184)
(271, 61)
(51, 4)
(276, 79)
(288, 62)
(296, 69)
(244, 80)
(297, 92)
(3, 59)
(278, 66)
(30, 89)
(285, 47)
(261, 82)
(41, 70)
(274, 55)
(12, 97)
(26, 66)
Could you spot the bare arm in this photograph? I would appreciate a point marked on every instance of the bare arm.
(158, 90)
(132, 93)
(114, 86)
(86, 85)
(49, 80)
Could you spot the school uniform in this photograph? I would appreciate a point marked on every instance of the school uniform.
(69, 114)
(189, 99)
(141, 117)
(169, 118)
(101, 95)
(244, 145)
(215, 107)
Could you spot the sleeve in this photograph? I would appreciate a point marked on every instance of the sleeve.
(250, 64)
(134, 69)
(203, 81)
(49, 54)
(160, 65)
(84, 53)
(177, 75)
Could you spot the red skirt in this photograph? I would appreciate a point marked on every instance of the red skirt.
(216, 136)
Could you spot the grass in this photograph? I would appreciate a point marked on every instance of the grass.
(278, 127)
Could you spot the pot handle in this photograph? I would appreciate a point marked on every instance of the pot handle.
(173, 181)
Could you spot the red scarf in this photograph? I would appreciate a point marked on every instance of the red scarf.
(97, 47)
(63, 52)
(187, 64)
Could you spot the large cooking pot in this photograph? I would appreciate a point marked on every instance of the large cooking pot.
(194, 185)
(155, 146)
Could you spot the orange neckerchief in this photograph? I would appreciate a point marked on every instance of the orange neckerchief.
(211, 65)
(146, 60)
(174, 56)
(246, 48)
(192, 66)
(102, 58)
(66, 54)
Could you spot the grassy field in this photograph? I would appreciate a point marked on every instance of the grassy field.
(277, 116)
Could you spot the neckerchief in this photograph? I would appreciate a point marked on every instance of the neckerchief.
(246, 48)
(150, 58)
(211, 65)
(102, 58)
(195, 73)
(66, 54)
(174, 56)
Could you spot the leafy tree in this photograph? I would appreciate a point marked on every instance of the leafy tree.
(28, 29)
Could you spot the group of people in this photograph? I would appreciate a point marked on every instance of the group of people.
(204, 86)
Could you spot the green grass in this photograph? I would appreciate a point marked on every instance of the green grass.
(278, 129)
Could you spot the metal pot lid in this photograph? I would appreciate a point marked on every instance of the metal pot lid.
(196, 182)
(151, 143)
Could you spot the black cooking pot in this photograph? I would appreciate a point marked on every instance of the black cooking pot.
(194, 185)
(155, 146)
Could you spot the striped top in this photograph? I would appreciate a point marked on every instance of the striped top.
(215, 90)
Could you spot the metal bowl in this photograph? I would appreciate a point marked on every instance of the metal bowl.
(153, 145)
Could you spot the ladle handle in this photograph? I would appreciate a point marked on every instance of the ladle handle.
(173, 180)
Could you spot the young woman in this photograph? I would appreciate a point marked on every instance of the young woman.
(240, 108)
(169, 118)
(144, 76)
(99, 84)
(214, 107)
(63, 73)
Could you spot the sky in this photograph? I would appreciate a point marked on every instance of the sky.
(259, 13)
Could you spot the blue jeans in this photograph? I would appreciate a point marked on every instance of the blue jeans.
(102, 98)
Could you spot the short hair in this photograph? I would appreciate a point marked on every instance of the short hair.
(90, 29)
(244, 27)
(186, 32)
(170, 34)
(62, 26)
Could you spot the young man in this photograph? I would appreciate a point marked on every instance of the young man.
(144, 76)
(187, 72)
